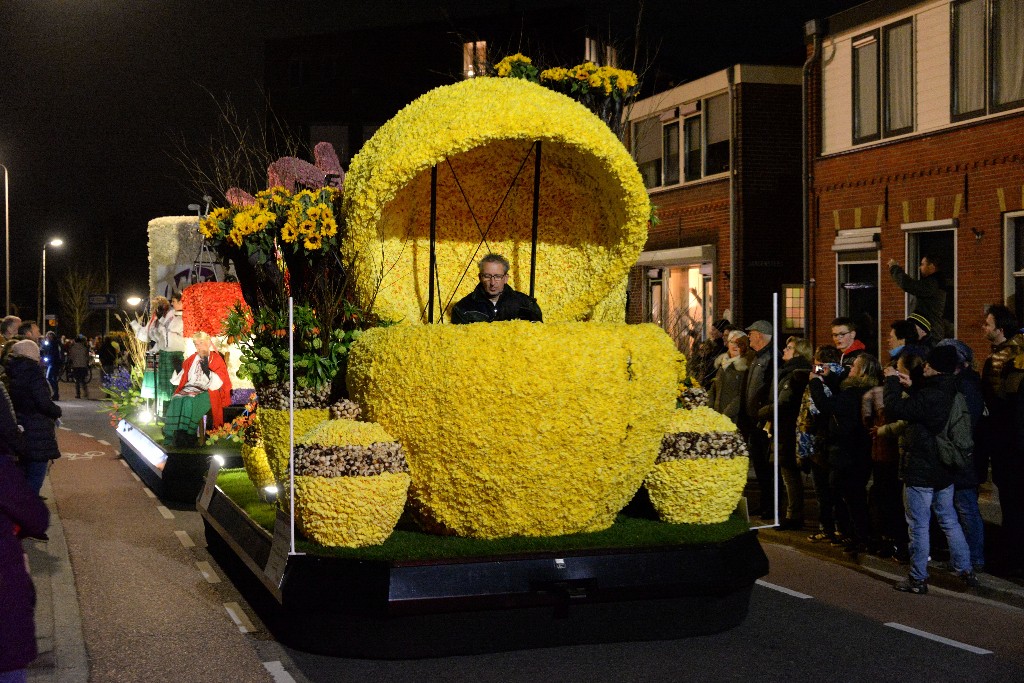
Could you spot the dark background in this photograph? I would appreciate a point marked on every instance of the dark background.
(93, 94)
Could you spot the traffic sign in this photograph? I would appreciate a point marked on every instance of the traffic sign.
(102, 301)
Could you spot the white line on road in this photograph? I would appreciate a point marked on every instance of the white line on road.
(185, 539)
(783, 589)
(164, 512)
(66, 429)
(277, 672)
(102, 442)
(123, 462)
(88, 436)
(239, 616)
(135, 477)
(938, 639)
(149, 493)
(208, 573)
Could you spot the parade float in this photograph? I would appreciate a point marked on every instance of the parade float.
(445, 489)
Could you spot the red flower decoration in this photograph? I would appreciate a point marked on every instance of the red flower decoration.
(207, 304)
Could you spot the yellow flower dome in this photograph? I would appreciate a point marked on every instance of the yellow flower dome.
(254, 458)
(480, 133)
(274, 425)
(697, 490)
(518, 428)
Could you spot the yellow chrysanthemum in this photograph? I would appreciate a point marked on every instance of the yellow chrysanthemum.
(701, 419)
(593, 205)
(346, 433)
(350, 511)
(583, 408)
(697, 491)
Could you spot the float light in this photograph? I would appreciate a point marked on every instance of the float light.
(146, 416)
(219, 459)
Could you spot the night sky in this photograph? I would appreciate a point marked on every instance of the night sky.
(93, 93)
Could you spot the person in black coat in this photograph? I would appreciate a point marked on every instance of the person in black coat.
(22, 514)
(36, 411)
(793, 378)
(493, 299)
(928, 483)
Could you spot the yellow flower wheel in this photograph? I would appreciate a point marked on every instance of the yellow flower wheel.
(515, 427)
(697, 490)
(479, 133)
(350, 511)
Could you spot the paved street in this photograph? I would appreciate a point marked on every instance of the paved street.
(128, 592)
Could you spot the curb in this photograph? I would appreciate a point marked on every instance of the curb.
(62, 655)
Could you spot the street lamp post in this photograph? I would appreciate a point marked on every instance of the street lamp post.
(7, 243)
(55, 242)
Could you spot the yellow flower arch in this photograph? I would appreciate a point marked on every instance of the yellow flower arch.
(479, 133)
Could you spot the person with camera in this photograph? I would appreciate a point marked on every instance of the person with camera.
(928, 483)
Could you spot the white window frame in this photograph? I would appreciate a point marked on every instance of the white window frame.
(1009, 247)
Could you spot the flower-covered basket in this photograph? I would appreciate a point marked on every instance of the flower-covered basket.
(351, 481)
(701, 469)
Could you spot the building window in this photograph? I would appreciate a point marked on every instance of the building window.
(600, 53)
(670, 152)
(705, 127)
(474, 59)
(987, 40)
(793, 318)
(647, 150)
(883, 82)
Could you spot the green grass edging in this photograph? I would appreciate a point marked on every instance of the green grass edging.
(409, 544)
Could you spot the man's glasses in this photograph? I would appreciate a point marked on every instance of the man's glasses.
(492, 278)
(839, 334)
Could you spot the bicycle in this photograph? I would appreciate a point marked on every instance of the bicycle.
(67, 376)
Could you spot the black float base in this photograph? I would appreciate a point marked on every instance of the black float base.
(173, 476)
(400, 610)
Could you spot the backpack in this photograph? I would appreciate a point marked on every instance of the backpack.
(954, 441)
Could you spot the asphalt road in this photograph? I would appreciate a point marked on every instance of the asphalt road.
(810, 619)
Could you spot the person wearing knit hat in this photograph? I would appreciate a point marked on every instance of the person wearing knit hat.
(35, 409)
(924, 329)
(964, 354)
(25, 348)
(928, 483)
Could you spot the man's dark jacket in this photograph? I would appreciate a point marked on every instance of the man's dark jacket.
(929, 296)
(759, 383)
(511, 305)
(926, 411)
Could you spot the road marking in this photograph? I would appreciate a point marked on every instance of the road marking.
(167, 514)
(239, 616)
(123, 462)
(149, 493)
(135, 477)
(88, 436)
(88, 455)
(783, 589)
(207, 571)
(66, 429)
(938, 639)
(277, 672)
(102, 442)
(185, 539)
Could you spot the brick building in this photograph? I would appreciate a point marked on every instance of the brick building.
(720, 156)
(916, 116)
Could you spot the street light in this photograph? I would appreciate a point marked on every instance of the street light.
(7, 242)
(133, 301)
(55, 242)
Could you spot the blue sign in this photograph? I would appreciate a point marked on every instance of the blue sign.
(100, 302)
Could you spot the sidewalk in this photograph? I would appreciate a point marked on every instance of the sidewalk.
(1007, 591)
(119, 597)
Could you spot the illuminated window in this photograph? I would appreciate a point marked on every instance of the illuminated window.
(794, 304)
(474, 59)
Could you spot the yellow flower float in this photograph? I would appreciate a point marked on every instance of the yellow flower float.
(480, 134)
(701, 469)
(518, 428)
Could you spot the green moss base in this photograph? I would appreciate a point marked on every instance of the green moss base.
(408, 544)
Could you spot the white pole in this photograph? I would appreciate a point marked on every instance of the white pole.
(291, 417)
(7, 242)
(775, 398)
(42, 304)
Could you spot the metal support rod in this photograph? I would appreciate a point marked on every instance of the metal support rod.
(536, 215)
(7, 243)
(291, 418)
(42, 300)
(433, 242)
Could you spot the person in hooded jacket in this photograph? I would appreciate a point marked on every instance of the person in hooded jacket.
(928, 483)
(966, 482)
(36, 411)
(793, 378)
